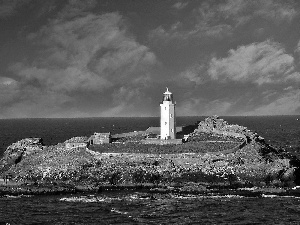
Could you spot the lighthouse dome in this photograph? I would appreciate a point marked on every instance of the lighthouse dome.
(168, 92)
(168, 96)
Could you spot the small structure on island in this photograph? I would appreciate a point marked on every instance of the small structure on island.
(100, 138)
(167, 117)
(77, 143)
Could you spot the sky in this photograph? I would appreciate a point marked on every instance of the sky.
(115, 58)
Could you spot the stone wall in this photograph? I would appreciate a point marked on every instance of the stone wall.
(161, 142)
(70, 145)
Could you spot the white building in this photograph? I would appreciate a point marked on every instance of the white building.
(167, 117)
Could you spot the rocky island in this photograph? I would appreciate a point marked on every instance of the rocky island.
(215, 157)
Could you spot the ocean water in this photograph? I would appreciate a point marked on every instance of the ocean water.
(129, 207)
(142, 208)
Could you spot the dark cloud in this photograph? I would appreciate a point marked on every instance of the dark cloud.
(10, 7)
(92, 53)
(75, 8)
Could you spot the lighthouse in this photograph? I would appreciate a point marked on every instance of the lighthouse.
(167, 116)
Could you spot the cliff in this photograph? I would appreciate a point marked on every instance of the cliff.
(203, 163)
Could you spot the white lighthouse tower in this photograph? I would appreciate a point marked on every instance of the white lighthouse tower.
(167, 117)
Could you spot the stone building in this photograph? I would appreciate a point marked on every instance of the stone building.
(100, 138)
(77, 142)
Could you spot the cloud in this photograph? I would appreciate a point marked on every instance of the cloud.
(255, 79)
(71, 78)
(218, 20)
(90, 54)
(192, 76)
(9, 7)
(294, 77)
(32, 102)
(200, 106)
(259, 63)
(20, 100)
(8, 90)
(259, 101)
(83, 59)
(70, 8)
(196, 74)
(180, 5)
(177, 32)
(6, 81)
(241, 11)
(286, 104)
(298, 47)
(276, 10)
(288, 88)
(131, 101)
(201, 22)
(76, 8)
(125, 101)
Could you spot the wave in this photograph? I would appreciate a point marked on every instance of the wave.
(118, 211)
(278, 196)
(17, 196)
(205, 196)
(89, 199)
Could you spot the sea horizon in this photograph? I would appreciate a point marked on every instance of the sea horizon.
(280, 130)
(146, 116)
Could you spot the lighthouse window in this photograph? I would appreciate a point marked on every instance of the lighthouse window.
(166, 123)
(165, 108)
(171, 115)
(172, 130)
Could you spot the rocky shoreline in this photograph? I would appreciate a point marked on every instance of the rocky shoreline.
(203, 165)
(190, 189)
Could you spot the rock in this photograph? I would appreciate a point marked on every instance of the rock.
(288, 176)
(18, 150)
(254, 163)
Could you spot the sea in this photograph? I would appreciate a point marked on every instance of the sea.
(141, 207)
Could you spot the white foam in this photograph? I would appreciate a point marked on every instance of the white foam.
(18, 196)
(137, 197)
(118, 211)
(88, 199)
(224, 196)
(205, 196)
(248, 189)
(278, 196)
(269, 196)
(12, 196)
(185, 196)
